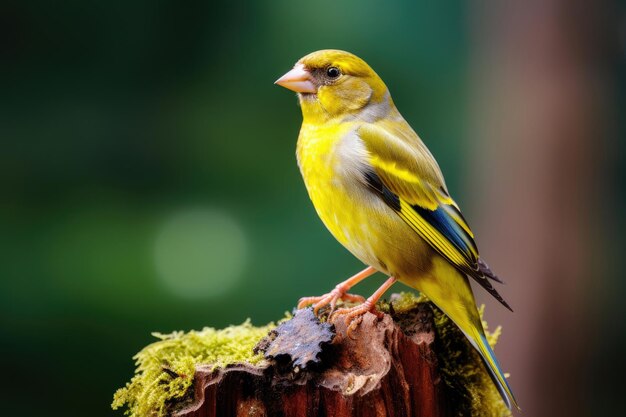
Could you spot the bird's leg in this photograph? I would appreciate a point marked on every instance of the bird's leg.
(352, 314)
(340, 292)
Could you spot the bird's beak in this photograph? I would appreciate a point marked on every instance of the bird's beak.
(298, 80)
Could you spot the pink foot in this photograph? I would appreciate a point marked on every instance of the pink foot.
(355, 314)
(338, 293)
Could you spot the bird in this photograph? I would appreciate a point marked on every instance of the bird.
(380, 192)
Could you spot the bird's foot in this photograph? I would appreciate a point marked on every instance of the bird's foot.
(354, 315)
(338, 293)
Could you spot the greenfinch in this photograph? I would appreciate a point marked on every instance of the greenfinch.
(381, 194)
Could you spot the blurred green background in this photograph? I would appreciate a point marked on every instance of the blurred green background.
(149, 181)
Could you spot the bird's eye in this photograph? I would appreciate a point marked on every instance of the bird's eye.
(333, 72)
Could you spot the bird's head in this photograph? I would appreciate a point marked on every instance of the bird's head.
(332, 83)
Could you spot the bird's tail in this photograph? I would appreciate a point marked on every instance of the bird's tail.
(479, 341)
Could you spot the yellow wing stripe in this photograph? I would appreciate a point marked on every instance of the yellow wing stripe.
(430, 234)
(434, 237)
(392, 168)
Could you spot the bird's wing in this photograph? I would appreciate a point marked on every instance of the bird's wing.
(403, 172)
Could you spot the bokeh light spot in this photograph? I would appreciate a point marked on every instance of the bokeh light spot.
(200, 253)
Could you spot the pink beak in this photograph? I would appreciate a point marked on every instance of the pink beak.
(298, 80)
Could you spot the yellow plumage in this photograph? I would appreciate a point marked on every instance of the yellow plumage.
(381, 194)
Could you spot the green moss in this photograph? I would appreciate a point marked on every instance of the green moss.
(406, 301)
(165, 368)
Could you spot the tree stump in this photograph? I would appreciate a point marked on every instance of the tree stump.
(380, 368)
(409, 362)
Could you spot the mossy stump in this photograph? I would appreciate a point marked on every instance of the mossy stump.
(412, 361)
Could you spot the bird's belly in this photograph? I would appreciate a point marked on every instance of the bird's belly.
(367, 227)
(348, 222)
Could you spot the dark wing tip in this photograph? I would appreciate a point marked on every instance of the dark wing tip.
(496, 295)
(504, 303)
(486, 271)
(484, 282)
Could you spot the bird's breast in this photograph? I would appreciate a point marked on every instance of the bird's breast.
(332, 161)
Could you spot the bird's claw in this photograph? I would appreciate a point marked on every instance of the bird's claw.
(331, 299)
(354, 315)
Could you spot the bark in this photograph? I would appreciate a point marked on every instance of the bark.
(383, 367)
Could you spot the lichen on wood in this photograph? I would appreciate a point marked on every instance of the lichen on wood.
(297, 344)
